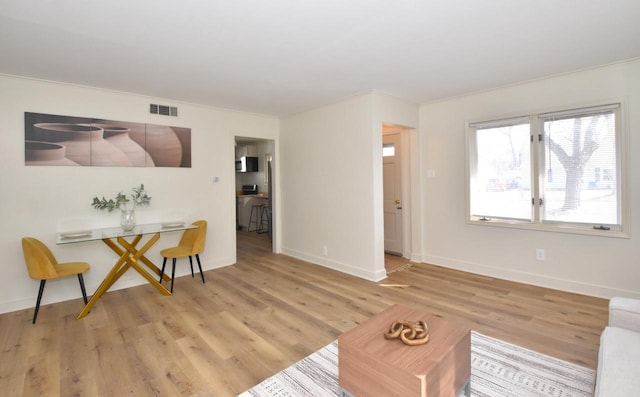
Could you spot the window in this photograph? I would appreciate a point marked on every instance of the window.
(555, 171)
(388, 150)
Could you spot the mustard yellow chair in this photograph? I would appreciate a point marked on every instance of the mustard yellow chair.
(43, 266)
(191, 243)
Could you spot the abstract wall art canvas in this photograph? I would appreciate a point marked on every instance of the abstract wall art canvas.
(83, 141)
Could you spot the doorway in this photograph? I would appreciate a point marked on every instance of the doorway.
(392, 192)
(397, 160)
(254, 193)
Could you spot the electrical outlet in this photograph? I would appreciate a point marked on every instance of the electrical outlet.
(540, 254)
(325, 251)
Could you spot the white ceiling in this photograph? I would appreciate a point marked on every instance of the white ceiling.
(281, 57)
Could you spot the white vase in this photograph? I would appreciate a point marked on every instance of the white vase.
(128, 219)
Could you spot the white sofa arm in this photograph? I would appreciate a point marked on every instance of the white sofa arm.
(624, 313)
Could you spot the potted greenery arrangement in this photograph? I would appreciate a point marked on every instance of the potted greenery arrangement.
(125, 204)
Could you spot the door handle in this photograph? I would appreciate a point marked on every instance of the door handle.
(397, 201)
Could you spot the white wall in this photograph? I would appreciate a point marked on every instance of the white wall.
(395, 111)
(597, 266)
(332, 182)
(327, 188)
(36, 201)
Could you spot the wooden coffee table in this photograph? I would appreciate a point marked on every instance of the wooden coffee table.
(371, 365)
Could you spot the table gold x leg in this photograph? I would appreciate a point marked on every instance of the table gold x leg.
(129, 257)
(116, 271)
(122, 261)
(138, 255)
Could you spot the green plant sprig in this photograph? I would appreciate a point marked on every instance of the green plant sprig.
(139, 197)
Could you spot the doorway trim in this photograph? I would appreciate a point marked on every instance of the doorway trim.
(408, 145)
(275, 190)
(393, 193)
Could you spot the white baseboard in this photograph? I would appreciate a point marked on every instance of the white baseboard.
(539, 280)
(374, 276)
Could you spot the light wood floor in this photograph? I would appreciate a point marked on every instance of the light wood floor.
(393, 263)
(253, 319)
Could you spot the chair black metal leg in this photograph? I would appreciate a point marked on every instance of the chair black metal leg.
(35, 313)
(173, 273)
(199, 267)
(191, 263)
(164, 262)
(84, 291)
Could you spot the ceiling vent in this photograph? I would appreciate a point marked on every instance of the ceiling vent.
(163, 110)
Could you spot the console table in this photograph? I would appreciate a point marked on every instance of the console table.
(130, 256)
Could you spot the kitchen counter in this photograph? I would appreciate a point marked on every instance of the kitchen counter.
(259, 195)
(244, 203)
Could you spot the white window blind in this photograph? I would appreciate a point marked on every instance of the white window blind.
(551, 170)
(580, 183)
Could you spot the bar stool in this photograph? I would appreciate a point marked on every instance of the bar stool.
(263, 226)
(255, 217)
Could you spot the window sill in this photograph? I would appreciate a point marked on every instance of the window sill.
(550, 227)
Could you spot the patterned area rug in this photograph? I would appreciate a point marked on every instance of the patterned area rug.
(497, 369)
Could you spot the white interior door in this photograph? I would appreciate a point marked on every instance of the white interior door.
(392, 182)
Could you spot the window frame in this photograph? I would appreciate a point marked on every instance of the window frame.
(537, 159)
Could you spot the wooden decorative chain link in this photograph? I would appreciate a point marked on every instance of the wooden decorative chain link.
(410, 333)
